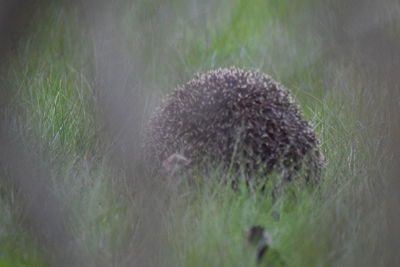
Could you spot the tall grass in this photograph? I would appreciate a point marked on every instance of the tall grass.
(205, 222)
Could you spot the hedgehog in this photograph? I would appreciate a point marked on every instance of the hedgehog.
(239, 119)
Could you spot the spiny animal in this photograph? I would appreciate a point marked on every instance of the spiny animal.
(238, 119)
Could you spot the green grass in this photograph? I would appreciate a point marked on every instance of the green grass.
(53, 95)
(206, 222)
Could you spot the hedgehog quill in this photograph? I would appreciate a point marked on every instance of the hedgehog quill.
(240, 119)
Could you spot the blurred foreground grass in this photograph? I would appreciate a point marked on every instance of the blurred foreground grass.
(55, 102)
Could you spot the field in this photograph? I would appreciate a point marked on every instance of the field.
(75, 192)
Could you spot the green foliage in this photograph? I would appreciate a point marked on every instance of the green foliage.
(207, 221)
(53, 94)
(16, 249)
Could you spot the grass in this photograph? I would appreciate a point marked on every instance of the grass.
(204, 223)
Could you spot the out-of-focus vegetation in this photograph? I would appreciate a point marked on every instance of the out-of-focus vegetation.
(57, 102)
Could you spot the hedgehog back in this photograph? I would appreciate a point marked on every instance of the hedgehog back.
(236, 118)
